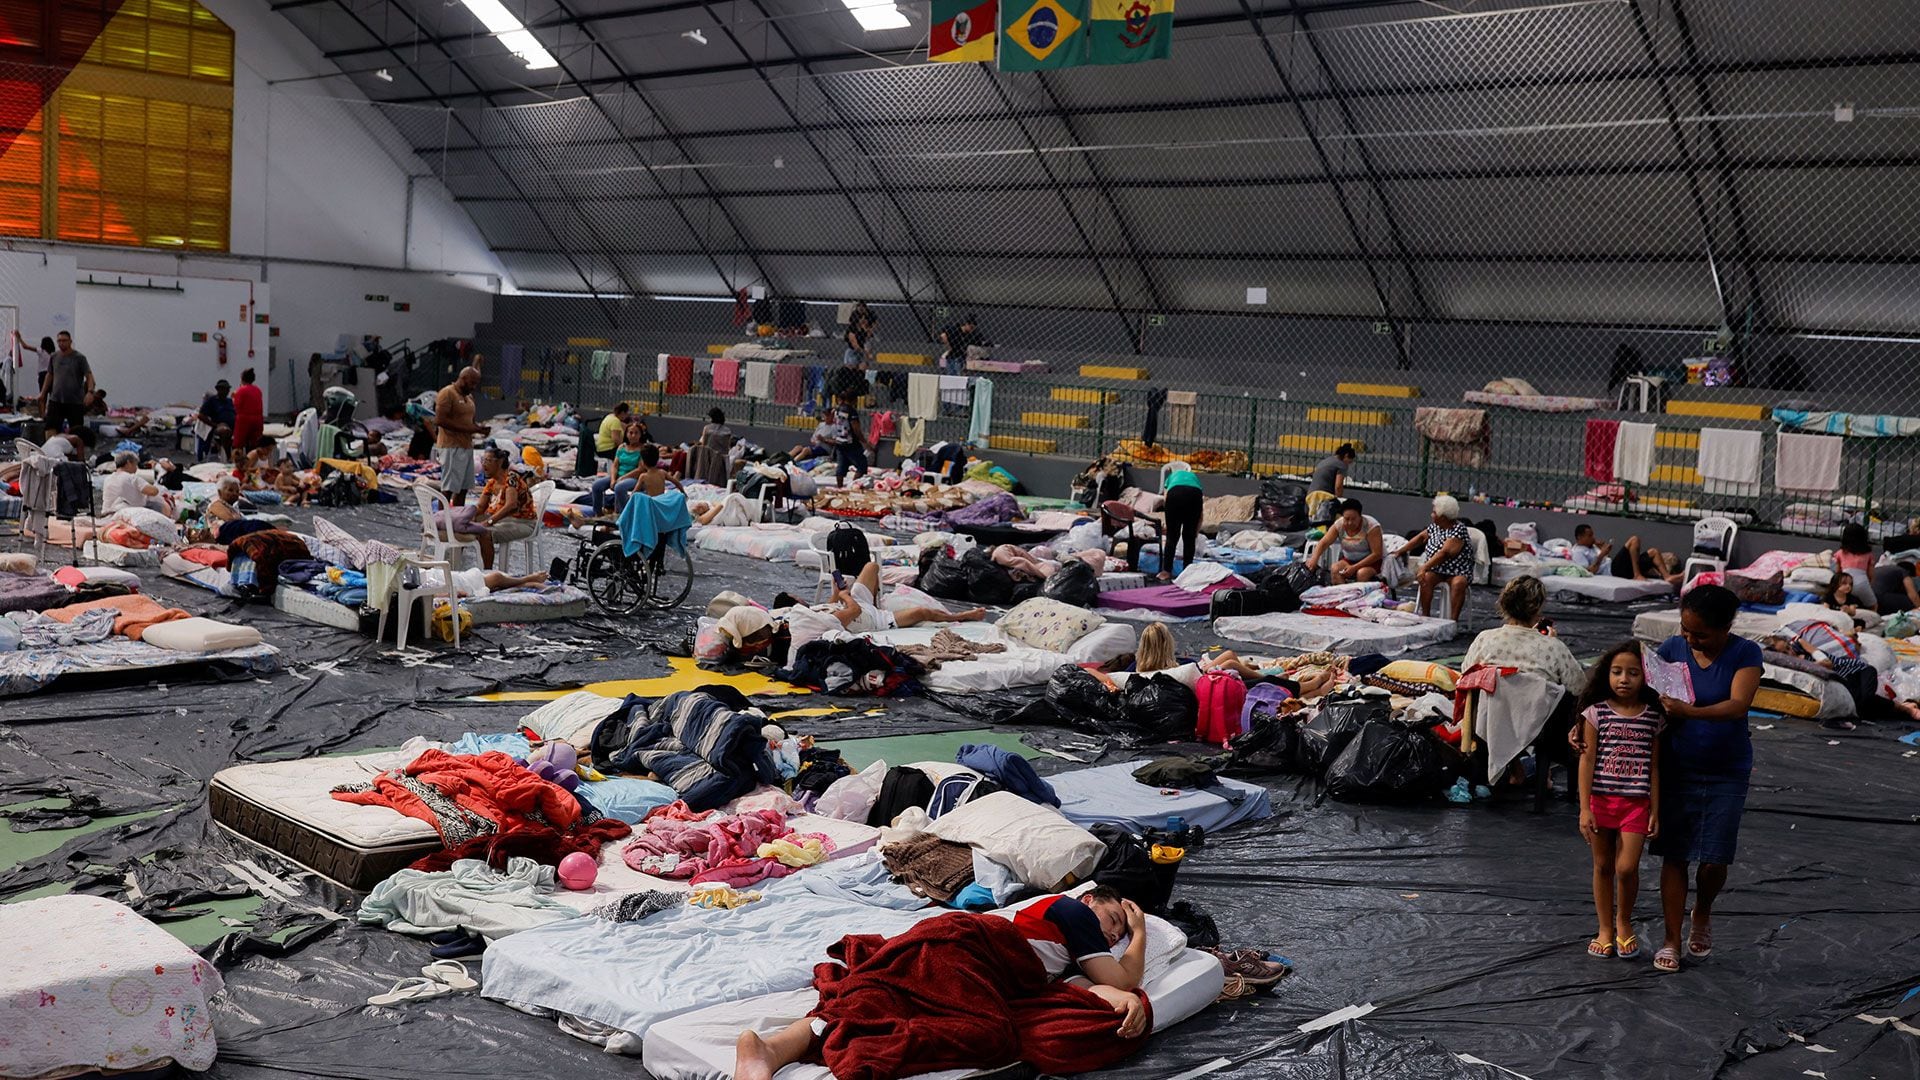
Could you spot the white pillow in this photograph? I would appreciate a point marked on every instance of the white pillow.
(1105, 643)
(1045, 623)
(155, 524)
(200, 636)
(1034, 841)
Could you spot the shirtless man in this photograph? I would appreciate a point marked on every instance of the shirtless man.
(454, 431)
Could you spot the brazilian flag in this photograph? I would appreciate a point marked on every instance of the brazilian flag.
(961, 31)
(1129, 31)
(1042, 35)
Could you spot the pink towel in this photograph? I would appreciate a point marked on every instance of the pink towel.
(1599, 449)
(726, 377)
(789, 382)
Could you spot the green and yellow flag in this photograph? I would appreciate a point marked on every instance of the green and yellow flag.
(1129, 31)
(1042, 35)
(962, 30)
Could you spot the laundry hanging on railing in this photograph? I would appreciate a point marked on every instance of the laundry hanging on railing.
(512, 357)
(1840, 423)
(789, 382)
(1807, 464)
(759, 380)
(1458, 436)
(726, 377)
(1730, 461)
(1597, 449)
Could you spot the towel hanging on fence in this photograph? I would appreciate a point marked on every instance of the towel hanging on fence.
(601, 358)
(923, 396)
(703, 365)
(617, 367)
(981, 426)
(1807, 463)
(1633, 452)
(660, 371)
(789, 381)
(1150, 432)
(1598, 453)
(679, 374)
(512, 357)
(726, 377)
(816, 386)
(1182, 413)
(1730, 461)
(913, 434)
(759, 380)
(1459, 436)
(954, 391)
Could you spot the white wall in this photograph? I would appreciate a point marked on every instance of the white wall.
(140, 341)
(40, 287)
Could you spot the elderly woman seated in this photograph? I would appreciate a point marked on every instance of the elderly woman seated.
(1524, 641)
(1446, 556)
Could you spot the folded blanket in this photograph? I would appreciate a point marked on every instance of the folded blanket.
(1459, 436)
(133, 613)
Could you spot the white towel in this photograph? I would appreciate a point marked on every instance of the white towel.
(660, 370)
(1730, 461)
(759, 380)
(923, 396)
(1633, 453)
(954, 391)
(1809, 463)
(617, 367)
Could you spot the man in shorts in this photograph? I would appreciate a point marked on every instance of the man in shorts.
(454, 429)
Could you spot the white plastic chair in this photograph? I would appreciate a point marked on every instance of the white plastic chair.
(542, 495)
(1168, 469)
(758, 503)
(824, 579)
(1712, 530)
(438, 541)
(404, 596)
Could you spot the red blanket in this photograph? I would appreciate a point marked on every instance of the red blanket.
(957, 991)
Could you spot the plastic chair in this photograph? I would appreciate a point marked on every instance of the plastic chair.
(824, 580)
(438, 541)
(1718, 531)
(1168, 469)
(404, 595)
(542, 495)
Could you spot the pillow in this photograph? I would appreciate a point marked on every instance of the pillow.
(1420, 672)
(200, 636)
(1034, 841)
(1045, 623)
(628, 798)
(323, 551)
(151, 522)
(1105, 643)
(75, 576)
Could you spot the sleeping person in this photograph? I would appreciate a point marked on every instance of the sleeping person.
(856, 609)
(1060, 959)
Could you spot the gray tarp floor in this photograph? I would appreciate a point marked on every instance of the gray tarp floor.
(1462, 926)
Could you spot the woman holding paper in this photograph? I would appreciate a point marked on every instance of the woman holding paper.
(1706, 760)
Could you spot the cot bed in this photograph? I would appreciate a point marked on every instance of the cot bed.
(25, 671)
(1313, 633)
(1111, 795)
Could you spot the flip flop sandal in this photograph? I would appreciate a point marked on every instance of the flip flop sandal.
(451, 972)
(1699, 943)
(411, 988)
(1627, 948)
(1666, 960)
(1600, 949)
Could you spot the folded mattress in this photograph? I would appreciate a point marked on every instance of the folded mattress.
(1111, 795)
(1313, 633)
(1547, 403)
(700, 1045)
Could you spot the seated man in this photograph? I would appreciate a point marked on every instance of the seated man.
(855, 608)
(124, 488)
(1072, 944)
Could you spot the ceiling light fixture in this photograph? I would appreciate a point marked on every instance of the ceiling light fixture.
(383, 75)
(517, 38)
(695, 36)
(877, 15)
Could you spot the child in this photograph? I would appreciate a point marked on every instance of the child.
(1620, 793)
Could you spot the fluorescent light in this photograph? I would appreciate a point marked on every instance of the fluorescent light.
(517, 38)
(877, 15)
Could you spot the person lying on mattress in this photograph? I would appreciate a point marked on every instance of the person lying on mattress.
(855, 609)
(1633, 561)
(974, 991)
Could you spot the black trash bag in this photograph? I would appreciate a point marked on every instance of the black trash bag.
(945, 578)
(1281, 506)
(1194, 922)
(988, 583)
(1271, 746)
(1127, 867)
(1386, 762)
(1074, 583)
(1078, 696)
(1161, 709)
(1023, 590)
(1324, 737)
(1299, 577)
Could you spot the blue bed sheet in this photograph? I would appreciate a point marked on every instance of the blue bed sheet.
(1110, 794)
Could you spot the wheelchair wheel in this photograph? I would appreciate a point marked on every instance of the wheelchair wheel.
(667, 583)
(612, 582)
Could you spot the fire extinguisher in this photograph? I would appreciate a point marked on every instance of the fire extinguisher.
(220, 342)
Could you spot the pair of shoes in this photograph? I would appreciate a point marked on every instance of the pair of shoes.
(1237, 987)
(451, 944)
(1252, 966)
(438, 979)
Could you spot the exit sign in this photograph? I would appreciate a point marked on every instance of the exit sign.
(377, 298)
(260, 319)
(1156, 320)
(1382, 328)
(199, 336)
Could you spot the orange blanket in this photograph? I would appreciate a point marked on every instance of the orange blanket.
(136, 613)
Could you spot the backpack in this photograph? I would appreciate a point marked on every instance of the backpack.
(1223, 698)
(1263, 699)
(848, 546)
(957, 790)
(339, 489)
(1127, 867)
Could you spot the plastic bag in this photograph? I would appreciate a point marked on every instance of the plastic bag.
(1074, 583)
(1085, 701)
(1160, 709)
(1081, 537)
(851, 798)
(1270, 745)
(988, 583)
(710, 646)
(1324, 737)
(1385, 762)
(1127, 867)
(945, 578)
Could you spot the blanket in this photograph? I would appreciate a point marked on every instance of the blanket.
(136, 613)
(267, 550)
(703, 743)
(958, 991)
(647, 519)
(1459, 436)
(709, 847)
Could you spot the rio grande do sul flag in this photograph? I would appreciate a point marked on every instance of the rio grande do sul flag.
(1042, 35)
(962, 30)
(1129, 31)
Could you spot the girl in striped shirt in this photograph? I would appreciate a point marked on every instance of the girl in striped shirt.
(1619, 790)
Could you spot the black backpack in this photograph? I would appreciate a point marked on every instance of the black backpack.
(339, 489)
(848, 546)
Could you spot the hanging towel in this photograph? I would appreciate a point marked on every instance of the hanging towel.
(679, 374)
(1809, 463)
(1601, 435)
(726, 377)
(788, 383)
(981, 425)
(816, 383)
(1458, 436)
(923, 396)
(601, 358)
(660, 372)
(913, 434)
(759, 380)
(703, 365)
(1150, 433)
(1182, 409)
(617, 367)
(1730, 461)
(953, 391)
(1633, 452)
(511, 359)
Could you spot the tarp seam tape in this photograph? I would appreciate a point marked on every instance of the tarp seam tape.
(1338, 1016)
(1892, 1021)
(1201, 1070)
(1471, 1060)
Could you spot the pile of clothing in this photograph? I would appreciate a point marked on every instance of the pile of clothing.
(703, 743)
(708, 847)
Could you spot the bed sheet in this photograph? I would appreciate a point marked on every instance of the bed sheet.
(1110, 794)
(1549, 403)
(1019, 665)
(1614, 590)
(633, 975)
(28, 670)
(92, 986)
(770, 542)
(1168, 599)
(1313, 633)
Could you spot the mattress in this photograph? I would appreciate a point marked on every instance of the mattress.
(1312, 633)
(1008, 367)
(1655, 627)
(31, 592)
(28, 670)
(1119, 580)
(774, 543)
(1506, 568)
(1019, 665)
(313, 607)
(506, 607)
(1110, 794)
(1613, 590)
(286, 806)
(700, 1045)
(212, 578)
(109, 991)
(1549, 403)
(1167, 599)
(114, 555)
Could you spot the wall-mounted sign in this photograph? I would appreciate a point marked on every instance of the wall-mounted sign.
(402, 306)
(1156, 320)
(261, 319)
(377, 298)
(199, 336)
(274, 332)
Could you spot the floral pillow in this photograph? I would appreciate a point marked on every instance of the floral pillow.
(1048, 624)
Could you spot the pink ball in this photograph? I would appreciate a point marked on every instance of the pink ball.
(577, 871)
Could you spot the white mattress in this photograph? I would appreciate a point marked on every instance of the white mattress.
(699, 1045)
(313, 607)
(1613, 590)
(1020, 665)
(212, 578)
(1312, 633)
(114, 555)
(1506, 568)
(300, 790)
(1655, 627)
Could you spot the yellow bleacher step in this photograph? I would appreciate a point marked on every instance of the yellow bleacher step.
(587, 342)
(1108, 371)
(1085, 396)
(494, 392)
(1319, 444)
(1024, 443)
(1681, 475)
(1718, 410)
(653, 386)
(1364, 389)
(717, 350)
(1358, 417)
(902, 359)
(1054, 419)
(1677, 440)
(799, 421)
(531, 374)
(1657, 503)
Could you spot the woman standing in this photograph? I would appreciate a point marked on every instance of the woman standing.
(1446, 556)
(1184, 506)
(1706, 761)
